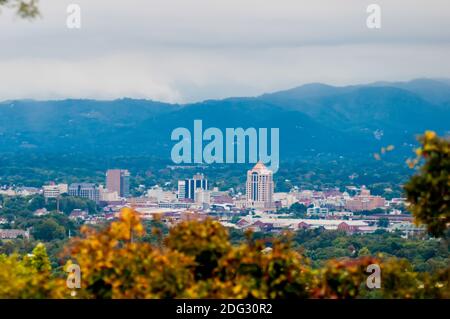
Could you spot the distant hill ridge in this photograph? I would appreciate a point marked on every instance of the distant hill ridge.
(312, 118)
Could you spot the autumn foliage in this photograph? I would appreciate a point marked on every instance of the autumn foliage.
(29, 276)
(196, 260)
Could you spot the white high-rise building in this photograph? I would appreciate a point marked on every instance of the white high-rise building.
(181, 189)
(260, 187)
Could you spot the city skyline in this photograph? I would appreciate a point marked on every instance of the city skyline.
(327, 209)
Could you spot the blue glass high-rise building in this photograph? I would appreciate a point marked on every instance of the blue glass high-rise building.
(187, 187)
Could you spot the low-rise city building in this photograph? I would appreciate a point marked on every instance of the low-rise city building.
(54, 190)
(14, 234)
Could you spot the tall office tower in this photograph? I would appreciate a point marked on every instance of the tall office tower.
(118, 180)
(260, 187)
(187, 188)
(85, 190)
(125, 184)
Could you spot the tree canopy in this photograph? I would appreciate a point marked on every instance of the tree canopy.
(26, 9)
(197, 260)
(428, 191)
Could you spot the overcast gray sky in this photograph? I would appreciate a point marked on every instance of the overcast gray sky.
(190, 50)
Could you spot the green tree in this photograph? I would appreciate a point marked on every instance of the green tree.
(68, 203)
(364, 252)
(48, 230)
(383, 222)
(205, 241)
(36, 202)
(298, 210)
(29, 277)
(39, 259)
(428, 192)
(27, 9)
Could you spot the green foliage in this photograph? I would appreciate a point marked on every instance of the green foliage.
(26, 9)
(29, 277)
(54, 226)
(39, 259)
(26, 205)
(48, 230)
(68, 203)
(428, 192)
(344, 279)
(424, 255)
(298, 210)
(205, 241)
(364, 252)
(383, 222)
(115, 264)
(198, 261)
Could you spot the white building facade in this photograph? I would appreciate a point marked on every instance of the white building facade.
(260, 187)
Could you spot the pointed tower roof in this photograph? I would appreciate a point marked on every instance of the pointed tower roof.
(260, 167)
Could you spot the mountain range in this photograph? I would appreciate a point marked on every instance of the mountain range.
(313, 118)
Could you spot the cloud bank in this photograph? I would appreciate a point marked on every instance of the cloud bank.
(182, 51)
